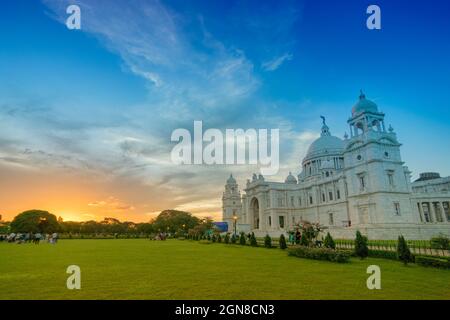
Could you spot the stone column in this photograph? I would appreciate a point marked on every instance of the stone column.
(432, 212)
(422, 218)
(444, 216)
(448, 208)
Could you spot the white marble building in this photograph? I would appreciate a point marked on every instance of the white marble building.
(358, 183)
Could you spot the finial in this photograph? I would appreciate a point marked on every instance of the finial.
(361, 95)
(390, 128)
(345, 136)
(325, 129)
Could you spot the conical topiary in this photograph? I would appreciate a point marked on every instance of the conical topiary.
(403, 252)
(361, 249)
(329, 242)
(242, 239)
(282, 242)
(253, 241)
(267, 241)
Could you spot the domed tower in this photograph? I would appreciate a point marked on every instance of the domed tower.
(378, 183)
(290, 179)
(231, 204)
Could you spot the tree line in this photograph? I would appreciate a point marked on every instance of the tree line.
(168, 221)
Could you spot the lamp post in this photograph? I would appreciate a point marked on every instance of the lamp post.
(234, 221)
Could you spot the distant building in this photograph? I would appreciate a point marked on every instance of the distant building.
(358, 183)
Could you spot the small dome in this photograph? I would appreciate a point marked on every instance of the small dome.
(290, 179)
(364, 105)
(231, 180)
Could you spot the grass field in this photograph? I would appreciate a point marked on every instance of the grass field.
(174, 269)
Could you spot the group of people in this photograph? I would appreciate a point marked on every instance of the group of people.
(161, 236)
(35, 238)
(295, 237)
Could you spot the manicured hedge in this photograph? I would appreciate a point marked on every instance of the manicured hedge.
(383, 254)
(319, 254)
(433, 262)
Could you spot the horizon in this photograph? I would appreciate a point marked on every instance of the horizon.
(87, 115)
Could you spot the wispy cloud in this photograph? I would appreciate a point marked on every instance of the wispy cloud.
(276, 62)
(189, 76)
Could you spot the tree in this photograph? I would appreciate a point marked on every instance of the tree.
(403, 252)
(282, 242)
(304, 240)
(35, 221)
(268, 241)
(204, 226)
(175, 221)
(329, 242)
(242, 239)
(253, 241)
(309, 232)
(361, 249)
(4, 227)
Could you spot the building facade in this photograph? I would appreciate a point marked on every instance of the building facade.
(356, 183)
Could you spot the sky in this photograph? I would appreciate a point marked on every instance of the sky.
(87, 115)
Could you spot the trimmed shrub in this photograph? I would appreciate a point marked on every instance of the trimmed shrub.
(329, 242)
(253, 241)
(268, 241)
(234, 239)
(227, 238)
(242, 240)
(219, 238)
(361, 249)
(392, 255)
(282, 242)
(208, 237)
(433, 262)
(319, 254)
(213, 238)
(403, 252)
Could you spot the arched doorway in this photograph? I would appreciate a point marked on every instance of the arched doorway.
(254, 207)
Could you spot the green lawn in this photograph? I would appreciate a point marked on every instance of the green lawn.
(174, 269)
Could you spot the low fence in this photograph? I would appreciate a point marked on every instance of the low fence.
(417, 247)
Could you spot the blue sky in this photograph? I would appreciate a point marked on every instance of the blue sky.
(99, 104)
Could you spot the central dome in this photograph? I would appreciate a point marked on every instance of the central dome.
(325, 145)
(364, 105)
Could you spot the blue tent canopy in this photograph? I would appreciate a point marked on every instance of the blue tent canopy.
(222, 226)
